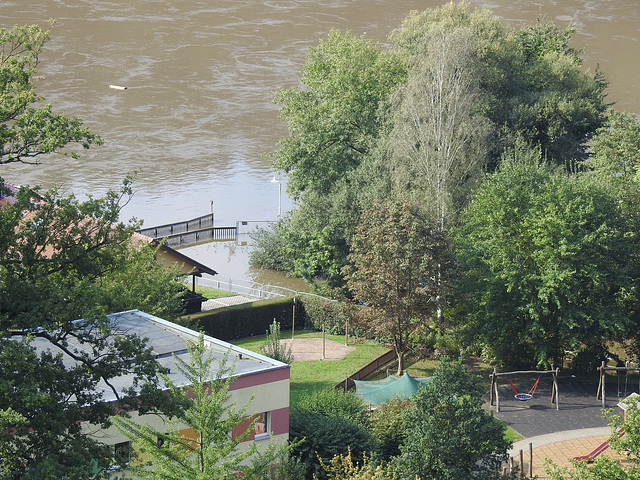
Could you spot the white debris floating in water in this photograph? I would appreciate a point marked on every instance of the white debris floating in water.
(117, 87)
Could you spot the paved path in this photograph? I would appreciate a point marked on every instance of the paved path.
(227, 301)
(575, 429)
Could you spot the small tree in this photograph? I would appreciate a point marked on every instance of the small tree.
(399, 270)
(212, 452)
(274, 348)
(448, 435)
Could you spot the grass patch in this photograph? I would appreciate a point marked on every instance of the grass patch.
(212, 292)
(311, 376)
(511, 435)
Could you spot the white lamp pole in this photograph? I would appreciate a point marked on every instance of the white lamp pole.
(277, 180)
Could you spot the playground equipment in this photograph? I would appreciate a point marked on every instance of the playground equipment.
(601, 395)
(591, 456)
(523, 397)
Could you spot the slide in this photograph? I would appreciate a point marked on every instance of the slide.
(590, 457)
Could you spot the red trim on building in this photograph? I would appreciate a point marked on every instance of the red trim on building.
(279, 421)
(260, 378)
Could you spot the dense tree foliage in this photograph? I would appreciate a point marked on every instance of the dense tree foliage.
(550, 262)
(212, 451)
(65, 265)
(448, 435)
(387, 429)
(27, 130)
(616, 146)
(420, 118)
(334, 117)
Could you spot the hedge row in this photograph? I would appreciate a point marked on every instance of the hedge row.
(244, 320)
(249, 319)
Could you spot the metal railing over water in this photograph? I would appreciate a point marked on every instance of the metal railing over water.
(198, 230)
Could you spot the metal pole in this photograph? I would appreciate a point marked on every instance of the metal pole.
(323, 342)
(279, 199)
(293, 322)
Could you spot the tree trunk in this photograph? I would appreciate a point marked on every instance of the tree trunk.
(400, 362)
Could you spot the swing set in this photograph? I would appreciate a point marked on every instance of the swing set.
(522, 396)
(601, 395)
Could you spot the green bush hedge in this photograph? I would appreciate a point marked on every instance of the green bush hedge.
(244, 320)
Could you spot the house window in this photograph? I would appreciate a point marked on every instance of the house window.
(261, 427)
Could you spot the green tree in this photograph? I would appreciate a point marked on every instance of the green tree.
(438, 137)
(399, 259)
(555, 104)
(530, 83)
(334, 115)
(59, 269)
(322, 437)
(386, 421)
(336, 403)
(213, 452)
(549, 260)
(27, 130)
(448, 435)
(329, 423)
(616, 146)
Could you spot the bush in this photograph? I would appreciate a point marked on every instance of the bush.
(336, 403)
(245, 320)
(332, 314)
(387, 426)
(324, 437)
(274, 348)
(448, 435)
(268, 251)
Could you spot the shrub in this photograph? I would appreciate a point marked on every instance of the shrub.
(274, 348)
(336, 403)
(332, 314)
(387, 426)
(325, 437)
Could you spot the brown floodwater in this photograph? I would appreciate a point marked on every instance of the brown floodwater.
(197, 118)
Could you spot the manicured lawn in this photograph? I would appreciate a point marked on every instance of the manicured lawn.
(314, 375)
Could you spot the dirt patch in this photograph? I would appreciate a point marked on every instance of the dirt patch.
(311, 349)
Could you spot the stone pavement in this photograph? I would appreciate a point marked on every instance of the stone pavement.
(575, 429)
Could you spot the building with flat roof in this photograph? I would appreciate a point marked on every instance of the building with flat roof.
(258, 380)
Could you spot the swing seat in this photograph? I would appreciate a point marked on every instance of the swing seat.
(523, 397)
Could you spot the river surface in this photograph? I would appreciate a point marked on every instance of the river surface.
(197, 119)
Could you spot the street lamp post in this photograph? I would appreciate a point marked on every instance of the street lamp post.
(277, 180)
